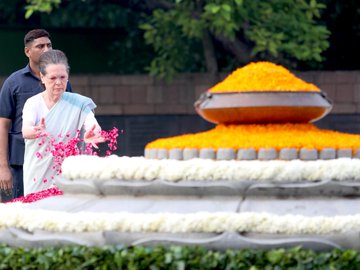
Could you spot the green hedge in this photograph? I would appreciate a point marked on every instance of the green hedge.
(173, 257)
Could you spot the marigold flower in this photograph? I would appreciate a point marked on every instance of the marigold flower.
(258, 136)
(262, 76)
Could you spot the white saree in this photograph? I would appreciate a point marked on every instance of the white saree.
(62, 123)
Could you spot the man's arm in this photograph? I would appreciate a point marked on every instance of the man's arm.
(5, 173)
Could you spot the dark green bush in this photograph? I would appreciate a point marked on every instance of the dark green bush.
(173, 257)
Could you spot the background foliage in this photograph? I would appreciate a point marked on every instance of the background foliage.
(166, 37)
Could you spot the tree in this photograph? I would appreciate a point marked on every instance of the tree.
(282, 31)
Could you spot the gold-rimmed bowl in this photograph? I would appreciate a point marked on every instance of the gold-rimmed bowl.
(263, 107)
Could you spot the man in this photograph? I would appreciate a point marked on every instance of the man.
(17, 88)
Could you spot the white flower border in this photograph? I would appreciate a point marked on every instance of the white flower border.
(141, 168)
(19, 216)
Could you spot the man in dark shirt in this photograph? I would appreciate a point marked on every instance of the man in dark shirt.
(17, 88)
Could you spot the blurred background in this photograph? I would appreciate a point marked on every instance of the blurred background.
(146, 62)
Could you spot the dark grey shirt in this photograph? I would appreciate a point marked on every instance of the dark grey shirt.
(17, 88)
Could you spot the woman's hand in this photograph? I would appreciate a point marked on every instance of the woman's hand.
(30, 131)
(40, 128)
(93, 137)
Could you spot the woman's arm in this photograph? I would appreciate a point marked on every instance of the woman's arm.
(33, 121)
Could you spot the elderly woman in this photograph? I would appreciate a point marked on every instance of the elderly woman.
(56, 114)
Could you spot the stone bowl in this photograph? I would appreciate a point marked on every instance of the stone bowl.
(263, 107)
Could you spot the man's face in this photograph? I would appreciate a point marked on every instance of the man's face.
(36, 48)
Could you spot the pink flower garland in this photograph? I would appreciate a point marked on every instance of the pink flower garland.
(33, 197)
(61, 150)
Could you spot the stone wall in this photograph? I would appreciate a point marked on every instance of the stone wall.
(144, 95)
(141, 94)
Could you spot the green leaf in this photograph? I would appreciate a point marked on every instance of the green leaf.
(275, 256)
(28, 13)
(226, 8)
(212, 8)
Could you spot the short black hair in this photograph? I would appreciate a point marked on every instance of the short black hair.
(34, 34)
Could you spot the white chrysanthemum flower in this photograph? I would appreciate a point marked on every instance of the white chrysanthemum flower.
(21, 216)
(140, 168)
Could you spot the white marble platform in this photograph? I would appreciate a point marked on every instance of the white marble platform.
(151, 198)
(206, 188)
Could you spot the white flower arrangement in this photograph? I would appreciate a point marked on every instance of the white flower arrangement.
(19, 216)
(143, 169)
(26, 217)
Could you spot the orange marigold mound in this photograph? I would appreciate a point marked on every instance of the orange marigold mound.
(276, 136)
(262, 76)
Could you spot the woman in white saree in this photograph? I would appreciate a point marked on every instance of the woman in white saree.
(56, 114)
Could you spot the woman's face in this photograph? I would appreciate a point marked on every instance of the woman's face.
(56, 79)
